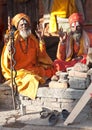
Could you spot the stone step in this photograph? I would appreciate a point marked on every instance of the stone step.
(68, 93)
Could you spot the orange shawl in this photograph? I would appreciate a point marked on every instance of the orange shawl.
(31, 67)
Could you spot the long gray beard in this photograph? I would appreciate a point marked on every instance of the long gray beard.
(25, 33)
(77, 36)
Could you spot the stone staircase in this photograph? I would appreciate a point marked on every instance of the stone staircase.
(54, 99)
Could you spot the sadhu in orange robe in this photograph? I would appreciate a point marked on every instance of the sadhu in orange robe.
(33, 65)
(67, 53)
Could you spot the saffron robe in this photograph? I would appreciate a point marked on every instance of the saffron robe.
(67, 51)
(32, 67)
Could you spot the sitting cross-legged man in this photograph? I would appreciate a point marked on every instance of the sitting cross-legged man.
(33, 65)
(73, 47)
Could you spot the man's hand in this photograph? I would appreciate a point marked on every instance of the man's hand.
(62, 36)
(38, 33)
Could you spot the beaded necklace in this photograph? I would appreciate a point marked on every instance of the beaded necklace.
(24, 50)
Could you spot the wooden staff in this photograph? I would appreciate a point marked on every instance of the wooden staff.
(12, 65)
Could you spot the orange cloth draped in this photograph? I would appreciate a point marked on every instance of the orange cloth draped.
(32, 67)
(75, 17)
(66, 52)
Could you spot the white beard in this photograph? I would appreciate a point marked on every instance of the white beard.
(25, 33)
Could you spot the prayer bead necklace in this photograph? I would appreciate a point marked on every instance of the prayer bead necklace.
(26, 47)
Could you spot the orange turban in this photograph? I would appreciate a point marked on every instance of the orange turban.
(75, 17)
(18, 17)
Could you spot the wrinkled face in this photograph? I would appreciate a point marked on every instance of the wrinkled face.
(23, 28)
(76, 29)
(23, 25)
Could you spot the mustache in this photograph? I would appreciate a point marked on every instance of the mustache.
(25, 33)
(76, 32)
(76, 35)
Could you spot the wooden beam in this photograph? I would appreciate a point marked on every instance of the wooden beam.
(79, 106)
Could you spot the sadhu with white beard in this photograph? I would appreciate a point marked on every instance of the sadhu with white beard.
(33, 65)
(73, 47)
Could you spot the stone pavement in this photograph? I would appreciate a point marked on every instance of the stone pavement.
(14, 120)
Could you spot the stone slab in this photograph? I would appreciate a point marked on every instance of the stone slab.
(55, 84)
(79, 83)
(78, 74)
(68, 93)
